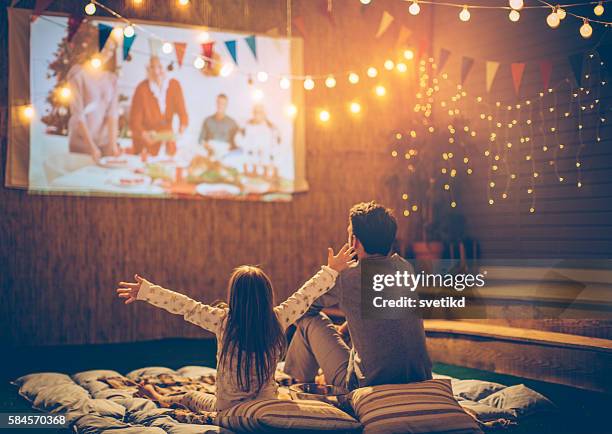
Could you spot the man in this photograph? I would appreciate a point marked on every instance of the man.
(219, 126)
(384, 351)
(155, 102)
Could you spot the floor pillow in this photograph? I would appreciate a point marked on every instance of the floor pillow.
(424, 407)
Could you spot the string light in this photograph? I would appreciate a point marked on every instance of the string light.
(262, 76)
(129, 31)
(199, 62)
(516, 4)
(90, 8)
(96, 62)
(553, 20)
(514, 15)
(183, 2)
(380, 90)
(365, 2)
(561, 13)
(324, 116)
(355, 107)
(167, 48)
(464, 15)
(27, 112)
(257, 95)
(389, 65)
(309, 83)
(203, 37)
(586, 31)
(401, 67)
(291, 110)
(599, 9)
(65, 93)
(284, 83)
(353, 78)
(408, 54)
(414, 8)
(330, 82)
(372, 72)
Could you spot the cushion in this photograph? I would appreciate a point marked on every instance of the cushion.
(424, 407)
(93, 375)
(30, 385)
(276, 415)
(474, 390)
(60, 397)
(519, 398)
(149, 371)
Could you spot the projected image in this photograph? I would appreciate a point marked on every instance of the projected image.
(158, 110)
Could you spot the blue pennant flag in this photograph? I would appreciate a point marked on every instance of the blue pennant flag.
(231, 47)
(127, 45)
(252, 43)
(104, 32)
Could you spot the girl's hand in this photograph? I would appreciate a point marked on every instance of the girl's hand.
(342, 260)
(129, 291)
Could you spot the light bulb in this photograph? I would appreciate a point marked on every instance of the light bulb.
(309, 83)
(389, 65)
(372, 72)
(365, 2)
(65, 93)
(355, 107)
(408, 54)
(561, 12)
(414, 8)
(203, 37)
(129, 31)
(380, 90)
(330, 82)
(464, 15)
(226, 70)
(28, 112)
(401, 67)
(586, 30)
(324, 115)
(353, 78)
(553, 20)
(599, 9)
(257, 95)
(96, 62)
(199, 62)
(90, 8)
(183, 2)
(516, 4)
(262, 76)
(514, 15)
(284, 83)
(167, 48)
(291, 110)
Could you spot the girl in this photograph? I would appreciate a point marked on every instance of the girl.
(250, 331)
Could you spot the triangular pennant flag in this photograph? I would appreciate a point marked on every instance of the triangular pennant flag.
(444, 55)
(466, 67)
(545, 72)
(231, 47)
(127, 45)
(155, 46)
(74, 22)
(207, 52)
(252, 44)
(385, 22)
(576, 62)
(490, 73)
(403, 36)
(104, 32)
(273, 32)
(298, 22)
(605, 55)
(517, 70)
(179, 50)
(40, 7)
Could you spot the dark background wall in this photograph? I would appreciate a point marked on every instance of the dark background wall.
(60, 257)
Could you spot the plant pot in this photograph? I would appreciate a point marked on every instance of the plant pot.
(427, 251)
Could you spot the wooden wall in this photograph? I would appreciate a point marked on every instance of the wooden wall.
(62, 256)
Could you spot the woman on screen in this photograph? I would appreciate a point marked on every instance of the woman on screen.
(92, 80)
(260, 142)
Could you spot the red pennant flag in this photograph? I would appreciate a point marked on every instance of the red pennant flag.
(298, 22)
(179, 49)
(517, 75)
(74, 22)
(546, 71)
(207, 52)
(40, 7)
(423, 49)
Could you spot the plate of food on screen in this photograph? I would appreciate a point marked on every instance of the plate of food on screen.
(123, 161)
(217, 190)
(206, 170)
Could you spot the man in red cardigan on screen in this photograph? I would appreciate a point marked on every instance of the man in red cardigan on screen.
(155, 102)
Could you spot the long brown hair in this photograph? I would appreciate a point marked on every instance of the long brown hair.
(254, 339)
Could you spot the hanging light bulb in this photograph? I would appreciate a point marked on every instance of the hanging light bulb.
(257, 95)
(514, 15)
(291, 110)
(96, 62)
(284, 83)
(408, 54)
(599, 9)
(353, 78)
(309, 83)
(27, 112)
(65, 93)
(199, 62)
(380, 90)
(516, 4)
(355, 107)
(372, 72)
(324, 116)
(129, 31)
(183, 2)
(561, 12)
(90, 8)
(167, 48)
(330, 82)
(414, 8)
(365, 2)
(389, 65)
(586, 30)
(553, 20)
(464, 15)
(262, 76)
(401, 67)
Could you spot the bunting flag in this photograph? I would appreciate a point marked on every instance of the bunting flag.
(490, 73)
(155, 46)
(127, 45)
(298, 23)
(403, 36)
(231, 48)
(517, 70)
(545, 72)
(40, 7)
(179, 50)
(207, 51)
(605, 54)
(252, 44)
(444, 55)
(74, 22)
(466, 67)
(104, 33)
(385, 22)
(576, 61)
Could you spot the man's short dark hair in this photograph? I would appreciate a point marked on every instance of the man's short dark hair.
(374, 226)
(222, 95)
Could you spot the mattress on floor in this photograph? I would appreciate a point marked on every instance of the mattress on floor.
(103, 401)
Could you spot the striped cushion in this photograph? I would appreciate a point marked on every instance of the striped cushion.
(275, 415)
(425, 407)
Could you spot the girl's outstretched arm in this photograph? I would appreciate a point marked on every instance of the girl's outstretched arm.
(200, 314)
(295, 306)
